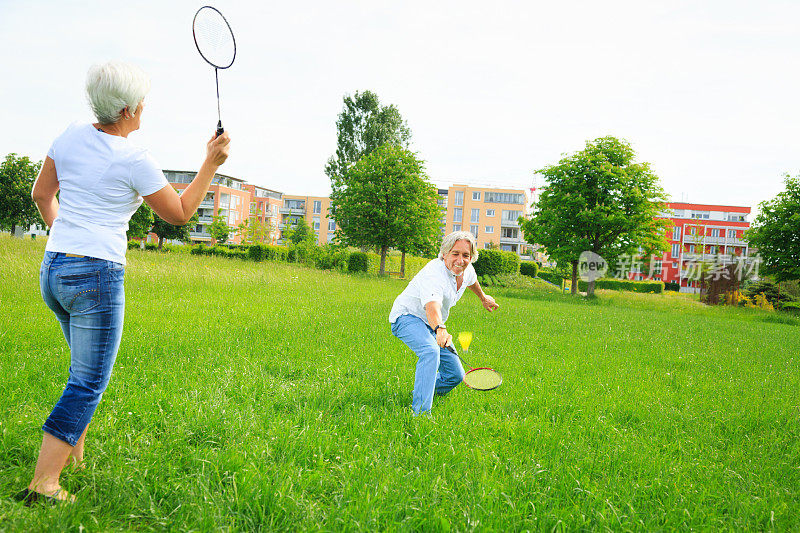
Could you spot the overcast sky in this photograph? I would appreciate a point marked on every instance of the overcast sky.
(706, 91)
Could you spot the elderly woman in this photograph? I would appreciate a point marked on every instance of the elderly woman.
(102, 178)
(418, 316)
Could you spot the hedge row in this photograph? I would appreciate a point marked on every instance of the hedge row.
(552, 277)
(656, 287)
(493, 262)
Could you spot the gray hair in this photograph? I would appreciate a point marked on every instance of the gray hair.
(111, 87)
(450, 240)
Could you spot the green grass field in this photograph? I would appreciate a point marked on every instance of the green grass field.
(273, 397)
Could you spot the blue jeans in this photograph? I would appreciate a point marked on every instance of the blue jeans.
(88, 299)
(438, 369)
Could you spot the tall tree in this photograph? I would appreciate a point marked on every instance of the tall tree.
(141, 222)
(165, 230)
(253, 230)
(776, 232)
(17, 175)
(598, 200)
(364, 125)
(387, 202)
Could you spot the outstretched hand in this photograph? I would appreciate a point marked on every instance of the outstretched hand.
(489, 304)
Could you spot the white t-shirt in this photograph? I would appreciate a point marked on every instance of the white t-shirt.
(102, 179)
(434, 283)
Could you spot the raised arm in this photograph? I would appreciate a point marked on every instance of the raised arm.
(44, 192)
(488, 302)
(177, 209)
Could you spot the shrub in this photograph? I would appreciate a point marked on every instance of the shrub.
(552, 277)
(656, 287)
(791, 307)
(529, 268)
(358, 262)
(774, 295)
(672, 286)
(256, 252)
(275, 253)
(496, 262)
(133, 244)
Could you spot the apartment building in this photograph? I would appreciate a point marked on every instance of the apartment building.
(227, 196)
(700, 233)
(490, 214)
(265, 205)
(314, 210)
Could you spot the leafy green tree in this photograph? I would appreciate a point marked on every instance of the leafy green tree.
(219, 228)
(776, 233)
(141, 222)
(299, 232)
(598, 200)
(165, 230)
(253, 230)
(364, 125)
(387, 202)
(17, 175)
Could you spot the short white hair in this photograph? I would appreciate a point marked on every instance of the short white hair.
(114, 86)
(450, 240)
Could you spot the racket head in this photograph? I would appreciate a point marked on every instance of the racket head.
(483, 378)
(213, 37)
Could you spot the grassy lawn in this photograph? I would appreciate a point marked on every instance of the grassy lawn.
(270, 396)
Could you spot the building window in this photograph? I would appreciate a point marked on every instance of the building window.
(474, 215)
(691, 248)
(490, 212)
(474, 229)
(731, 233)
(676, 233)
(456, 214)
(317, 207)
(487, 246)
(459, 197)
(331, 225)
(676, 250)
(509, 233)
(511, 216)
(700, 214)
(504, 198)
(715, 232)
(456, 227)
(316, 224)
(712, 250)
(476, 195)
(489, 229)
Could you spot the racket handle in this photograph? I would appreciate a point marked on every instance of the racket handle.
(220, 129)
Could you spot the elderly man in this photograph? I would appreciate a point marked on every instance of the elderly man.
(419, 313)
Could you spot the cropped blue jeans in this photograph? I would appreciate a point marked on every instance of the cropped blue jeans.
(438, 370)
(88, 298)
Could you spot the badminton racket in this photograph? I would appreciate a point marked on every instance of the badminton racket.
(214, 40)
(482, 378)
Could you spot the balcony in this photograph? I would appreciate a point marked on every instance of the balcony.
(509, 224)
(291, 211)
(208, 204)
(205, 220)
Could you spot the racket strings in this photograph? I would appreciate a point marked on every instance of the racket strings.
(483, 379)
(214, 38)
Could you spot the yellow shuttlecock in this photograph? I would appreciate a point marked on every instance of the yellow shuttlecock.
(464, 338)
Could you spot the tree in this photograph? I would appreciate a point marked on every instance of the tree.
(253, 230)
(141, 222)
(299, 232)
(219, 228)
(387, 202)
(776, 232)
(17, 175)
(364, 125)
(165, 230)
(598, 200)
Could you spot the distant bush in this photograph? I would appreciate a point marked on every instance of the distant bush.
(551, 276)
(358, 262)
(494, 262)
(791, 307)
(772, 292)
(656, 287)
(529, 268)
(256, 252)
(199, 249)
(672, 286)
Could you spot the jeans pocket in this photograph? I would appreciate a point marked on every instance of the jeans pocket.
(79, 293)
